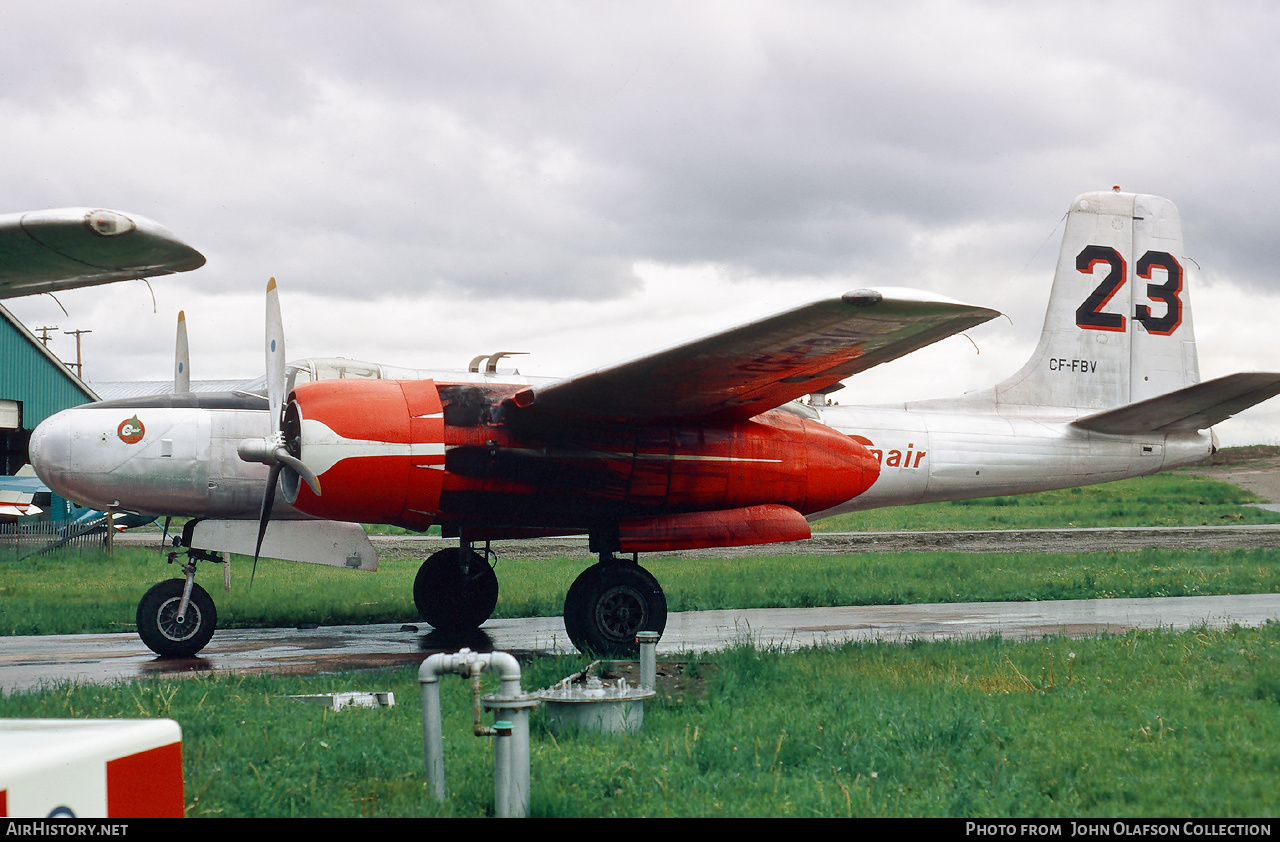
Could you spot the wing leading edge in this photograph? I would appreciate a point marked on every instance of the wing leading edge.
(747, 370)
(51, 250)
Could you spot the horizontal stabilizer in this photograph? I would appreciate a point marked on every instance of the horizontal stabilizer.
(1191, 408)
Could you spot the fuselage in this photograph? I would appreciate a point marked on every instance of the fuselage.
(162, 455)
(177, 455)
(933, 451)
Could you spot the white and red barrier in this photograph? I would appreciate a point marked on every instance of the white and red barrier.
(91, 768)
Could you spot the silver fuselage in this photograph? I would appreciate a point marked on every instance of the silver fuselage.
(182, 457)
(931, 452)
(181, 461)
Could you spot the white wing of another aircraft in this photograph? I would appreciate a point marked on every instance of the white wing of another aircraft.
(51, 250)
(16, 493)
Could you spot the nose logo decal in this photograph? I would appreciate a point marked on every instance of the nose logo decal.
(131, 430)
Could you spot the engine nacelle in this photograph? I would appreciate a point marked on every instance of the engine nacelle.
(376, 447)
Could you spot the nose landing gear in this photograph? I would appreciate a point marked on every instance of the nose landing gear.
(177, 617)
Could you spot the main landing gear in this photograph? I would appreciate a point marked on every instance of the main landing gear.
(456, 590)
(609, 603)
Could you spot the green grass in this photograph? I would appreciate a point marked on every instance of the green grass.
(95, 593)
(85, 592)
(1172, 499)
(1147, 724)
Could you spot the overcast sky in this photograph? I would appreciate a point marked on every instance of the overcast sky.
(587, 181)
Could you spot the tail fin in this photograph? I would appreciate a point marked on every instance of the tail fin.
(1118, 329)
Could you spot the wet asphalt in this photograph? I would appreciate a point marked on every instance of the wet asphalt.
(28, 662)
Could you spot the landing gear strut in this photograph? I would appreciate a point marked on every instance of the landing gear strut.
(174, 623)
(176, 618)
(455, 590)
(609, 603)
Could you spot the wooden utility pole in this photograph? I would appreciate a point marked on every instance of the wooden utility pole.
(44, 334)
(79, 361)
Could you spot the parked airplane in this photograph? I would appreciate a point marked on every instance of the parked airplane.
(701, 445)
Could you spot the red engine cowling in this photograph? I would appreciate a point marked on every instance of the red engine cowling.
(376, 446)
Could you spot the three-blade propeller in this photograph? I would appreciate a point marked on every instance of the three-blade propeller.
(272, 450)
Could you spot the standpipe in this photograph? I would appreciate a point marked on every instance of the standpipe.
(510, 731)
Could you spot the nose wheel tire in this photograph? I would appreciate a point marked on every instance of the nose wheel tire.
(164, 632)
(609, 603)
(451, 599)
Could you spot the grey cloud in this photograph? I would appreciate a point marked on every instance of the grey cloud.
(521, 150)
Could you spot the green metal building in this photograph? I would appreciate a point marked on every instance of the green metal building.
(34, 384)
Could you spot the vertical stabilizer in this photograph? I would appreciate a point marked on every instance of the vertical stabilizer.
(1118, 327)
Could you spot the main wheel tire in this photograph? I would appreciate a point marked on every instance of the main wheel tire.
(608, 604)
(453, 601)
(158, 624)
(576, 613)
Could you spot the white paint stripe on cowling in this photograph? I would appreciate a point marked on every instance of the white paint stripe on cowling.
(322, 448)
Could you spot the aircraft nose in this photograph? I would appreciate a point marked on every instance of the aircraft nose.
(62, 460)
(50, 450)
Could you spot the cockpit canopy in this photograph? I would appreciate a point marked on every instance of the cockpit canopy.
(330, 368)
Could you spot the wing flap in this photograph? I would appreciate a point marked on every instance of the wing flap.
(324, 542)
(747, 370)
(1192, 408)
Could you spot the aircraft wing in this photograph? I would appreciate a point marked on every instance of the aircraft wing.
(747, 370)
(51, 250)
(16, 493)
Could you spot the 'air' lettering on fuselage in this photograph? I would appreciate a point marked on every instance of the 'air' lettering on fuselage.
(894, 458)
(1078, 366)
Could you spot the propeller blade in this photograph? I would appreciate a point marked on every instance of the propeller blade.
(275, 357)
(268, 500)
(283, 456)
(271, 450)
(181, 358)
